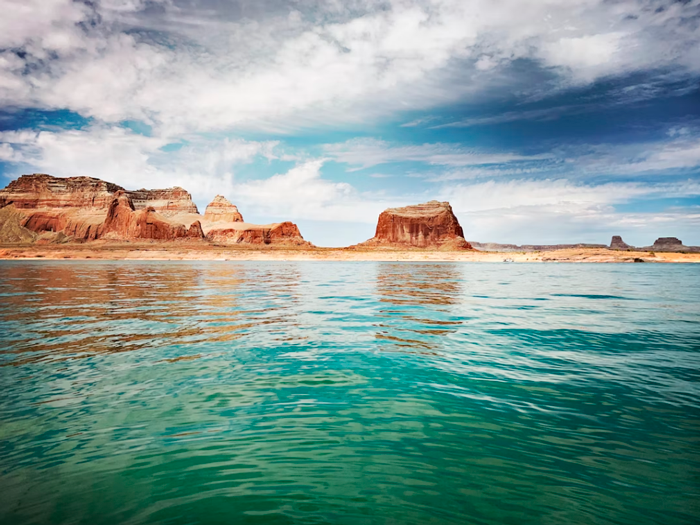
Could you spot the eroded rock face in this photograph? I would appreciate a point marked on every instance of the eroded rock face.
(221, 210)
(43, 208)
(195, 231)
(169, 201)
(120, 217)
(124, 222)
(45, 191)
(429, 225)
(618, 244)
(152, 225)
(284, 233)
(11, 229)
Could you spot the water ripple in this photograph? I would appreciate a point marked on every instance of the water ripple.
(349, 393)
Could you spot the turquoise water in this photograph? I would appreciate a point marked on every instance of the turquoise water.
(349, 393)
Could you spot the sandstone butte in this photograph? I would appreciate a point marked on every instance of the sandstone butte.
(430, 225)
(221, 210)
(45, 209)
(618, 244)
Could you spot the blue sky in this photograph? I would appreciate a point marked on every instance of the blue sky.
(540, 121)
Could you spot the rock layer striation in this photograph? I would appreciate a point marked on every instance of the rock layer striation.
(286, 233)
(429, 225)
(221, 210)
(39, 191)
(43, 208)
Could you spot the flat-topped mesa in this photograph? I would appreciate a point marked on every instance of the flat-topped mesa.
(221, 210)
(169, 201)
(618, 244)
(39, 191)
(668, 243)
(429, 225)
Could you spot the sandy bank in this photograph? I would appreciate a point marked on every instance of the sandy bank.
(205, 252)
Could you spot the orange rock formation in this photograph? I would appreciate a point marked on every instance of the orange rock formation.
(240, 232)
(221, 210)
(429, 225)
(43, 208)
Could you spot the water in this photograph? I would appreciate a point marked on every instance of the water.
(349, 393)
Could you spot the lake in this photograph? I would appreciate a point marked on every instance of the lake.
(344, 393)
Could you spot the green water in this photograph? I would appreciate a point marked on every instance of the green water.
(349, 393)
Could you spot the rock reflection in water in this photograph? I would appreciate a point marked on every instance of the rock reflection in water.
(99, 308)
(422, 294)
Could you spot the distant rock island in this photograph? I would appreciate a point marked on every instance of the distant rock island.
(662, 244)
(43, 210)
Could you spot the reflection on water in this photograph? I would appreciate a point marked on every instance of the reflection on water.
(417, 309)
(349, 393)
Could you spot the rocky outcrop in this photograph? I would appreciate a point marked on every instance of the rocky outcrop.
(284, 233)
(168, 202)
(120, 217)
(152, 225)
(124, 222)
(671, 244)
(429, 225)
(195, 231)
(11, 229)
(618, 244)
(668, 243)
(86, 209)
(221, 210)
(39, 191)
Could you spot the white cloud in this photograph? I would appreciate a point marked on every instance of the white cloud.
(302, 193)
(498, 195)
(681, 152)
(587, 57)
(365, 153)
(197, 68)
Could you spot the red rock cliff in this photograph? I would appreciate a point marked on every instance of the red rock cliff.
(124, 222)
(86, 209)
(169, 201)
(285, 233)
(429, 225)
(45, 191)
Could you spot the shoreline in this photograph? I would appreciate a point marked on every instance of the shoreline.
(199, 252)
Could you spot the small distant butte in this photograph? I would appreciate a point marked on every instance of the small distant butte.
(85, 217)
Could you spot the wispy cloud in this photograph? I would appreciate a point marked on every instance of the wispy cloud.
(418, 122)
(365, 153)
(551, 113)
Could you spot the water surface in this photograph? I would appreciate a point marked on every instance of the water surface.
(141, 392)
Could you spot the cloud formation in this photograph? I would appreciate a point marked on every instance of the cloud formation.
(188, 67)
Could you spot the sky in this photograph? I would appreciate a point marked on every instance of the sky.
(540, 121)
